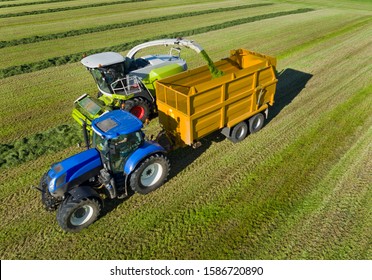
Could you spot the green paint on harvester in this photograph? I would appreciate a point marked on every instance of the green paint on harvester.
(212, 68)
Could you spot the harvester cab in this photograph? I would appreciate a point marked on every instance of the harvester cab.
(110, 72)
(121, 161)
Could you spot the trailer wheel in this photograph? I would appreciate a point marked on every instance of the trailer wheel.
(239, 132)
(75, 215)
(256, 122)
(140, 107)
(150, 174)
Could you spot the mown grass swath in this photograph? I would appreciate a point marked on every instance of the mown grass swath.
(31, 3)
(54, 10)
(101, 28)
(47, 142)
(55, 61)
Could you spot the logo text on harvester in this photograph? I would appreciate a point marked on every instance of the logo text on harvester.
(132, 271)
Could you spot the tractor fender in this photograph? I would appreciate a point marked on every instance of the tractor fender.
(147, 149)
(81, 192)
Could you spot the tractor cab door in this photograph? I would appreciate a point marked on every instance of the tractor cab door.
(121, 147)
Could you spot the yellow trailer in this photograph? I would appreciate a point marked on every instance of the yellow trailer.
(193, 104)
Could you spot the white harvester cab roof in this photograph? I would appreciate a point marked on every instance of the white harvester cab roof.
(102, 59)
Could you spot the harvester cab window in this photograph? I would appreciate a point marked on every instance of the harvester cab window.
(100, 80)
(114, 72)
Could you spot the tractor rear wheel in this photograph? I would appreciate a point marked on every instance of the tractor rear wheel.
(75, 215)
(150, 174)
(139, 107)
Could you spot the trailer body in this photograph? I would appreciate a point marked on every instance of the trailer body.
(193, 104)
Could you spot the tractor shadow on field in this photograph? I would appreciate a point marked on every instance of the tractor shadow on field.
(290, 83)
(179, 160)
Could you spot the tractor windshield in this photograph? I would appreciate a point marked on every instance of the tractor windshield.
(115, 151)
(121, 147)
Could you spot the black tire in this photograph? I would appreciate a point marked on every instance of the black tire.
(239, 132)
(75, 215)
(256, 122)
(139, 107)
(150, 174)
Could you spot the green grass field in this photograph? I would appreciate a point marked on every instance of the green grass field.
(298, 189)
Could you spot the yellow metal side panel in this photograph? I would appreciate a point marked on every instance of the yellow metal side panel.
(208, 85)
(171, 98)
(175, 123)
(182, 103)
(184, 80)
(250, 60)
(205, 100)
(206, 124)
(239, 86)
(269, 95)
(160, 92)
(227, 66)
(265, 76)
(235, 110)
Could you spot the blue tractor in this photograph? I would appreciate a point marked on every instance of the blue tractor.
(120, 162)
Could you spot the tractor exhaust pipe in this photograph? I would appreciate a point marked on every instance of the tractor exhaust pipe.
(85, 133)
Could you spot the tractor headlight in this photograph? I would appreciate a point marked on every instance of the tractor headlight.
(56, 183)
(51, 185)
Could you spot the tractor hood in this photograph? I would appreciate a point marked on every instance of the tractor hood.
(73, 171)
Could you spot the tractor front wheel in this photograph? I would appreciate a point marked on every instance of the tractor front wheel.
(150, 174)
(75, 215)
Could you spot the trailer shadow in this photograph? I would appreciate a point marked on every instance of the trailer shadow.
(290, 83)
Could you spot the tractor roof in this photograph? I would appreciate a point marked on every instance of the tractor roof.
(116, 123)
(102, 59)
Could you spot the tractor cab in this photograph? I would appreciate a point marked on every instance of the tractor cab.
(116, 136)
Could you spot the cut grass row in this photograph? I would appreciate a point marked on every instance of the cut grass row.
(55, 61)
(47, 142)
(111, 27)
(32, 3)
(45, 24)
(54, 10)
(17, 55)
